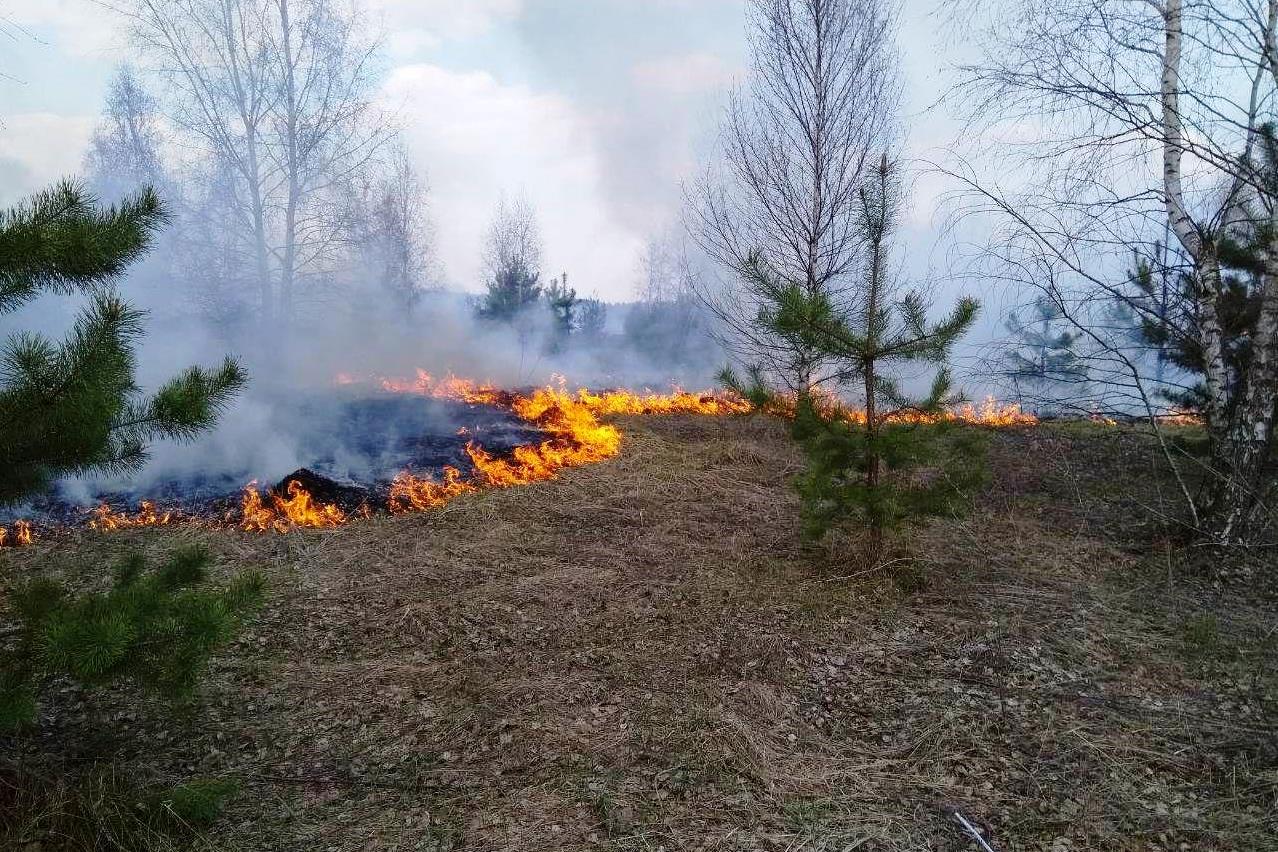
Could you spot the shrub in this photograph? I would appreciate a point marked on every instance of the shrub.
(154, 627)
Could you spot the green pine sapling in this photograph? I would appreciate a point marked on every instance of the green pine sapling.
(890, 462)
(156, 628)
(1045, 355)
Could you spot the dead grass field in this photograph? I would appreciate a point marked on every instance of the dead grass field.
(640, 657)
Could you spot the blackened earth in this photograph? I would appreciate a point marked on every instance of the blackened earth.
(352, 447)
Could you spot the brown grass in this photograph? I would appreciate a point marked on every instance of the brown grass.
(641, 656)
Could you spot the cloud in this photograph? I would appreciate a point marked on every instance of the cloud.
(80, 28)
(477, 138)
(449, 19)
(37, 149)
(407, 43)
(688, 74)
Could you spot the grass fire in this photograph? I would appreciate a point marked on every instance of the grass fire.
(545, 426)
(576, 431)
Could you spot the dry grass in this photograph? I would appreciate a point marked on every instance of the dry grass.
(640, 656)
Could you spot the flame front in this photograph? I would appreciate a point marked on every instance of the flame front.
(411, 494)
(452, 388)
(281, 514)
(990, 413)
(575, 437)
(22, 535)
(621, 402)
(107, 519)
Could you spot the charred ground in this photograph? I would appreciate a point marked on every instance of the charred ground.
(640, 656)
(351, 444)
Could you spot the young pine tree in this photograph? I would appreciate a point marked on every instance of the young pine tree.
(1165, 320)
(156, 628)
(511, 291)
(563, 304)
(73, 407)
(882, 464)
(512, 262)
(1044, 356)
(593, 318)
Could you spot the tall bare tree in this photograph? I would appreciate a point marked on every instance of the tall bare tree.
(124, 152)
(668, 324)
(278, 93)
(394, 229)
(1139, 118)
(797, 142)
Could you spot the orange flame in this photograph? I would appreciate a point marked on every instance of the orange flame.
(108, 520)
(989, 413)
(576, 437)
(621, 402)
(1181, 418)
(461, 390)
(299, 509)
(992, 413)
(22, 535)
(412, 494)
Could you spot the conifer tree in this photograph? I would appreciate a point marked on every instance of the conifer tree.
(869, 462)
(512, 262)
(73, 407)
(1165, 320)
(1044, 356)
(154, 627)
(511, 291)
(563, 302)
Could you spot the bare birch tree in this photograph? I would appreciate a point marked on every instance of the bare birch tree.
(798, 141)
(512, 244)
(278, 93)
(1135, 118)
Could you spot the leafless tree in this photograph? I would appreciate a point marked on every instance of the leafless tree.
(513, 240)
(1132, 119)
(395, 233)
(668, 324)
(278, 93)
(797, 142)
(512, 255)
(664, 271)
(125, 149)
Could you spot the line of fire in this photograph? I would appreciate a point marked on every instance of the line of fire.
(575, 428)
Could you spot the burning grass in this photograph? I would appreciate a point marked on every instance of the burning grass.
(106, 519)
(577, 436)
(638, 654)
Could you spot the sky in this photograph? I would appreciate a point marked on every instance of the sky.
(593, 109)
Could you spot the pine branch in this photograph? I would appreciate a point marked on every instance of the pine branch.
(59, 241)
(74, 407)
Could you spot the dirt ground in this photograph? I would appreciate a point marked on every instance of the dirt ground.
(640, 656)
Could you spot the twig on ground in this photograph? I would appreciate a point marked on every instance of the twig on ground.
(971, 829)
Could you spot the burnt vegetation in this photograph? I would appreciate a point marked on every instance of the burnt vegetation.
(831, 604)
(532, 669)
